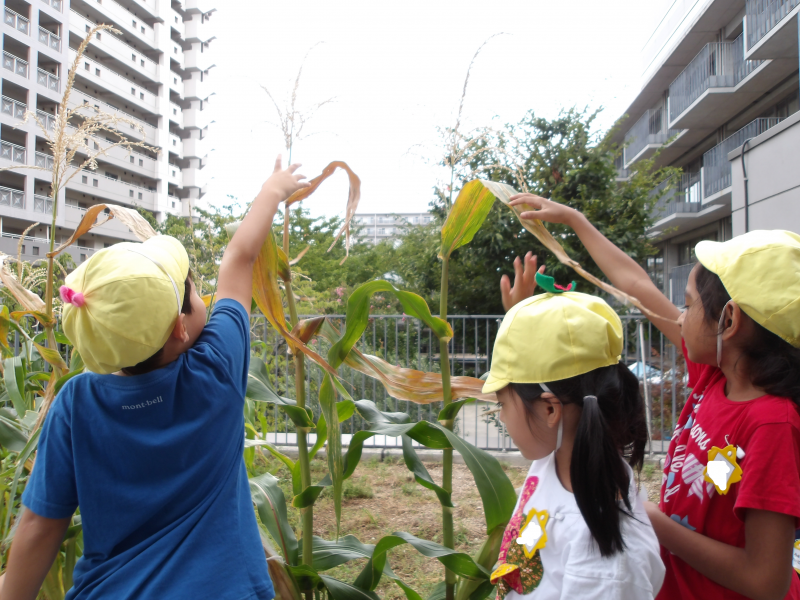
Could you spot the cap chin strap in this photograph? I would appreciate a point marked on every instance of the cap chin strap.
(719, 333)
(160, 266)
(560, 434)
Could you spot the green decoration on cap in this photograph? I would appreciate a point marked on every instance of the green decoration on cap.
(548, 284)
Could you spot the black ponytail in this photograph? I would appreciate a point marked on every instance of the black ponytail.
(772, 363)
(611, 427)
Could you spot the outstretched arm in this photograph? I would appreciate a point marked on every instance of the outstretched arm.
(33, 551)
(524, 281)
(622, 271)
(236, 269)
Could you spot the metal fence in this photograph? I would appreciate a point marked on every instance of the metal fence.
(763, 15)
(406, 342)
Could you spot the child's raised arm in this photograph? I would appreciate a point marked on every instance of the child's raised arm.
(623, 272)
(236, 270)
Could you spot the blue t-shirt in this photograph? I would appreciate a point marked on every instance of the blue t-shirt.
(155, 463)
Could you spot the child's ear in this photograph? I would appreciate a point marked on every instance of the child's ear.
(179, 331)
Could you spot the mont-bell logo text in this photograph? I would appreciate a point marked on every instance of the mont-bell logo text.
(156, 400)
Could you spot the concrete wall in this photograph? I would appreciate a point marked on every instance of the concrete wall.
(773, 180)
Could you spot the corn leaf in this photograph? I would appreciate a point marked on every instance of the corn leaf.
(407, 384)
(352, 200)
(14, 378)
(309, 495)
(450, 412)
(267, 296)
(135, 222)
(421, 475)
(306, 576)
(307, 328)
(339, 590)
(284, 271)
(468, 213)
(5, 324)
(272, 450)
(497, 492)
(52, 357)
(271, 505)
(22, 458)
(327, 401)
(38, 315)
(259, 389)
(11, 435)
(469, 589)
(358, 317)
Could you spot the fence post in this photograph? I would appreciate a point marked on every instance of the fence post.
(646, 386)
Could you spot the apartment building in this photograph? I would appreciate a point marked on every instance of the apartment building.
(376, 227)
(155, 71)
(718, 75)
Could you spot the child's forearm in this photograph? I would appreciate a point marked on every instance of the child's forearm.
(761, 570)
(253, 230)
(32, 553)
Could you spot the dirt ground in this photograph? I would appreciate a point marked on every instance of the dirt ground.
(382, 497)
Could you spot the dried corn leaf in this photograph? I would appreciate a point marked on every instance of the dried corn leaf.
(135, 222)
(297, 258)
(407, 384)
(39, 316)
(52, 356)
(352, 200)
(307, 328)
(27, 299)
(469, 211)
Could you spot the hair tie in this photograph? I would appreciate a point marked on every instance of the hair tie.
(593, 398)
(70, 296)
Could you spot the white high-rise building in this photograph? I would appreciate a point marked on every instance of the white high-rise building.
(155, 71)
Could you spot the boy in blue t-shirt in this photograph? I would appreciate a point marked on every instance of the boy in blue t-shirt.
(149, 443)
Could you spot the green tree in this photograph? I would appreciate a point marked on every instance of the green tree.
(560, 159)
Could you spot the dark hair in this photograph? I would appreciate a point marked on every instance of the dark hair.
(772, 364)
(609, 429)
(153, 363)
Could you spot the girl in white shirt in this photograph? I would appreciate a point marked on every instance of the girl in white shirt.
(579, 529)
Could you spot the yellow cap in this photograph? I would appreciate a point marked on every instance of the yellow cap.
(761, 272)
(551, 337)
(128, 297)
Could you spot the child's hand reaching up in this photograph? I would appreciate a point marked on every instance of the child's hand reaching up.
(545, 210)
(524, 281)
(284, 182)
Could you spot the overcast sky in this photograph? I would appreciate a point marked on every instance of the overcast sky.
(395, 72)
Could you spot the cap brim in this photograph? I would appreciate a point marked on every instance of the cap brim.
(706, 253)
(493, 384)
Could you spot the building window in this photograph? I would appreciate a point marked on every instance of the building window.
(84, 179)
(140, 195)
(141, 162)
(173, 172)
(141, 95)
(23, 248)
(133, 91)
(36, 250)
(130, 193)
(97, 72)
(133, 57)
(98, 36)
(95, 183)
(141, 61)
(132, 21)
(106, 245)
(381, 231)
(83, 257)
(88, 28)
(131, 158)
(173, 204)
(88, 68)
(142, 28)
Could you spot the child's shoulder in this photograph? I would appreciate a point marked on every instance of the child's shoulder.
(774, 410)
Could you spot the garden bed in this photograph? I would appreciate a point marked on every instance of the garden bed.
(382, 497)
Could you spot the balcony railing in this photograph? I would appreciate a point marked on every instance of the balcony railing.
(12, 198)
(42, 204)
(720, 64)
(16, 20)
(45, 161)
(649, 130)
(678, 278)
(48, 120)
(717, 167)
(49, 39)
(13, 63)
(682, 197)
(48, 80)
(13, 108)
(763, 15)
(57, 4)
(12, 152)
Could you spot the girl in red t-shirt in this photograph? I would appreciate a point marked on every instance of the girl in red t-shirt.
(730, 498)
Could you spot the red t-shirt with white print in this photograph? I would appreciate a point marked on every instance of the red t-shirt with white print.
(767, 429)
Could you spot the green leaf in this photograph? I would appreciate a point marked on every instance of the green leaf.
(497, 492)
(271, 505)
(76, 361)
(52, 356)
(339, 590)
(5, 323)
(309, 495)
(450, 412)
(65, 378)
(306, 577)
(327, 401)
(439, 592)
(272, 450)
(358, 317)
(469, 211)
(22, 458)
(330, 554)
(421, 474)
(260, 390)
(14, 377)
(11, 435)
(322, 436)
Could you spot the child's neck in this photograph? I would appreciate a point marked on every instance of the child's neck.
(563, 458)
